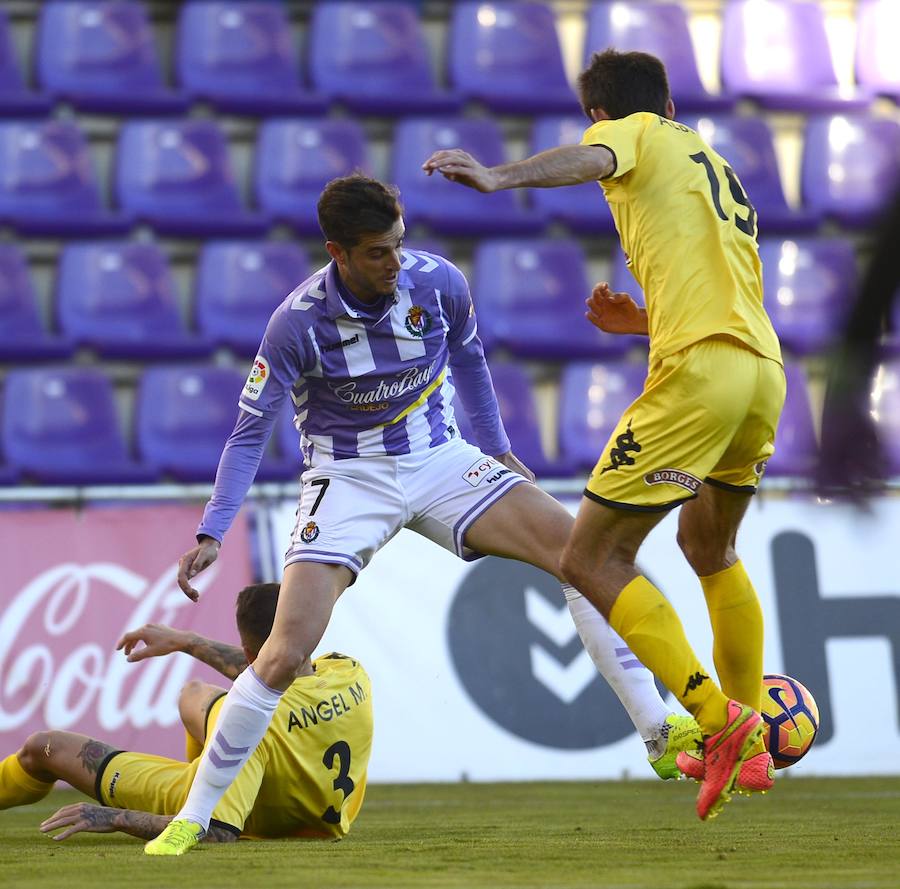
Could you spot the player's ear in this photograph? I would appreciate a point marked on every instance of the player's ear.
(670, 109)
(250, 654)
(598, 114)
(336, 252)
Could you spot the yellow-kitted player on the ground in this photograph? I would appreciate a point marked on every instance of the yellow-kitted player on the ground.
(307, 778)
(700, 433)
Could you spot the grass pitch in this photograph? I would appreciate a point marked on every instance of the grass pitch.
(807, 834)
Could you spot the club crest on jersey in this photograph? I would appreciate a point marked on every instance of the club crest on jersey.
(418, 321)
(310, 532)
(256, 381)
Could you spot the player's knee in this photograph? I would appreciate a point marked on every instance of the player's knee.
(573, 567)
(188, 696)
(704, 553)
(278, 666)
(37, 749)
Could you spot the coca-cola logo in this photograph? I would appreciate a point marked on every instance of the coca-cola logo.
(58, 661)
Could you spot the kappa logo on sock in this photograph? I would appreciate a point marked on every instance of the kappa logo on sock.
(694, 682)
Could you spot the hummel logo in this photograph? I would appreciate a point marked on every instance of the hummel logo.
(694, 682)
(348, 342)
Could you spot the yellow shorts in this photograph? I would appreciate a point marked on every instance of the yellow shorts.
(707, 414)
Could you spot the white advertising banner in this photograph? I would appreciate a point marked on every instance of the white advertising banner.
(478, 673)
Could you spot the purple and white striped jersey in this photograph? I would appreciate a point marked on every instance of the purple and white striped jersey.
(365, 381)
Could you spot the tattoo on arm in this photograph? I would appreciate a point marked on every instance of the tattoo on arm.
(226, 659)
(93, 753)
(146, 826)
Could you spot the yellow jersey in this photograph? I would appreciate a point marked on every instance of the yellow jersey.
(310, 767)
(689, 232)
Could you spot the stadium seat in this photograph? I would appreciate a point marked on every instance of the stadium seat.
(660, 29)
(60, 426)
(373, 58)
(241, 58)
(49, 186)
(796, 451)
(850, 167)
(22, 335)
(176, 176)
(809, 286)
(748, 145)
(885, 406)
(776, 52)
(15, 99)
(518, 408)
(506, 54)
(296, 158)
(877, 60)
(101, 56)
(592, 399)
(582, 208)
(283, 460)
(529, 295)
(120, 299)
(184, 414)
(239, 285)
(447, 207)
(622, 280)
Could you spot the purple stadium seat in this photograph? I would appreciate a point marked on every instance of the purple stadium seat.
(22, 335)
(885, 405)
(530, 296)
(796, 451)
(296, 158)
(184, 414)
(240, 284)
(447, 207)
(373, 57)
(582, 208)
(877, 60)
(748, 145)
(242, 58)
(101, 56)
(48, 185)
(120, 299)
(660, 29)
(506, 54)
(592, 399)
(851, 167)
(809, 285)
(777, 52)
(283, 461)
(15, 99)
(176, 176)
(60, 426)
(621, 279)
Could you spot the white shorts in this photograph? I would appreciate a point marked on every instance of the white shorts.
(349, 509)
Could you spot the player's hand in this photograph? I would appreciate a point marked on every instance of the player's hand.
(614, 312)
(193, 562)
(80, 817)
(511, 461)
(459, 166)
(159, 640)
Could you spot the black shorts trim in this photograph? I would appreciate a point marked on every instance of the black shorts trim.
(212, 704)
(214, 822)
(98, 781)
(632, 507)
(735, 489)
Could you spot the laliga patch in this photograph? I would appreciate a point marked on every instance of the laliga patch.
(673, 477)
(256, 382)
(310, 532)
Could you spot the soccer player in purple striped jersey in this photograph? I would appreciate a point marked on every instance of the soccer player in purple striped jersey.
(371, 350)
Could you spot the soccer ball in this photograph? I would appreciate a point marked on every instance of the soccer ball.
(791, 717)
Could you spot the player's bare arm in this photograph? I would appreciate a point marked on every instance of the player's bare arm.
(194, 561)
(90, 818)
(511, 461)
(159, 640)
(615, 312)
(567, 165)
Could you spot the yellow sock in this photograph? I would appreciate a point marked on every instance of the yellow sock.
(737, 624)
(192, 747)
(17, 787)
(647, 622)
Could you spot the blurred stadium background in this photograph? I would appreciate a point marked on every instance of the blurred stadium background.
(159, 166)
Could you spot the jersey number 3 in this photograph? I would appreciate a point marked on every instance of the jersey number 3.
(339, 750)
(748, 225)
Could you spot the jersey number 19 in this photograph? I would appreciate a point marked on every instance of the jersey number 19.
(748, 225)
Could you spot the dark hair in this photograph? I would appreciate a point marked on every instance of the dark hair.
(255, 613)
(354, 206)
(623, 83)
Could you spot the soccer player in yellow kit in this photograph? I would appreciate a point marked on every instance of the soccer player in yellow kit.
(307, 777)
(701, 431)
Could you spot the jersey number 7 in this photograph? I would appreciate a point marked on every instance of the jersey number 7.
(748, 225)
